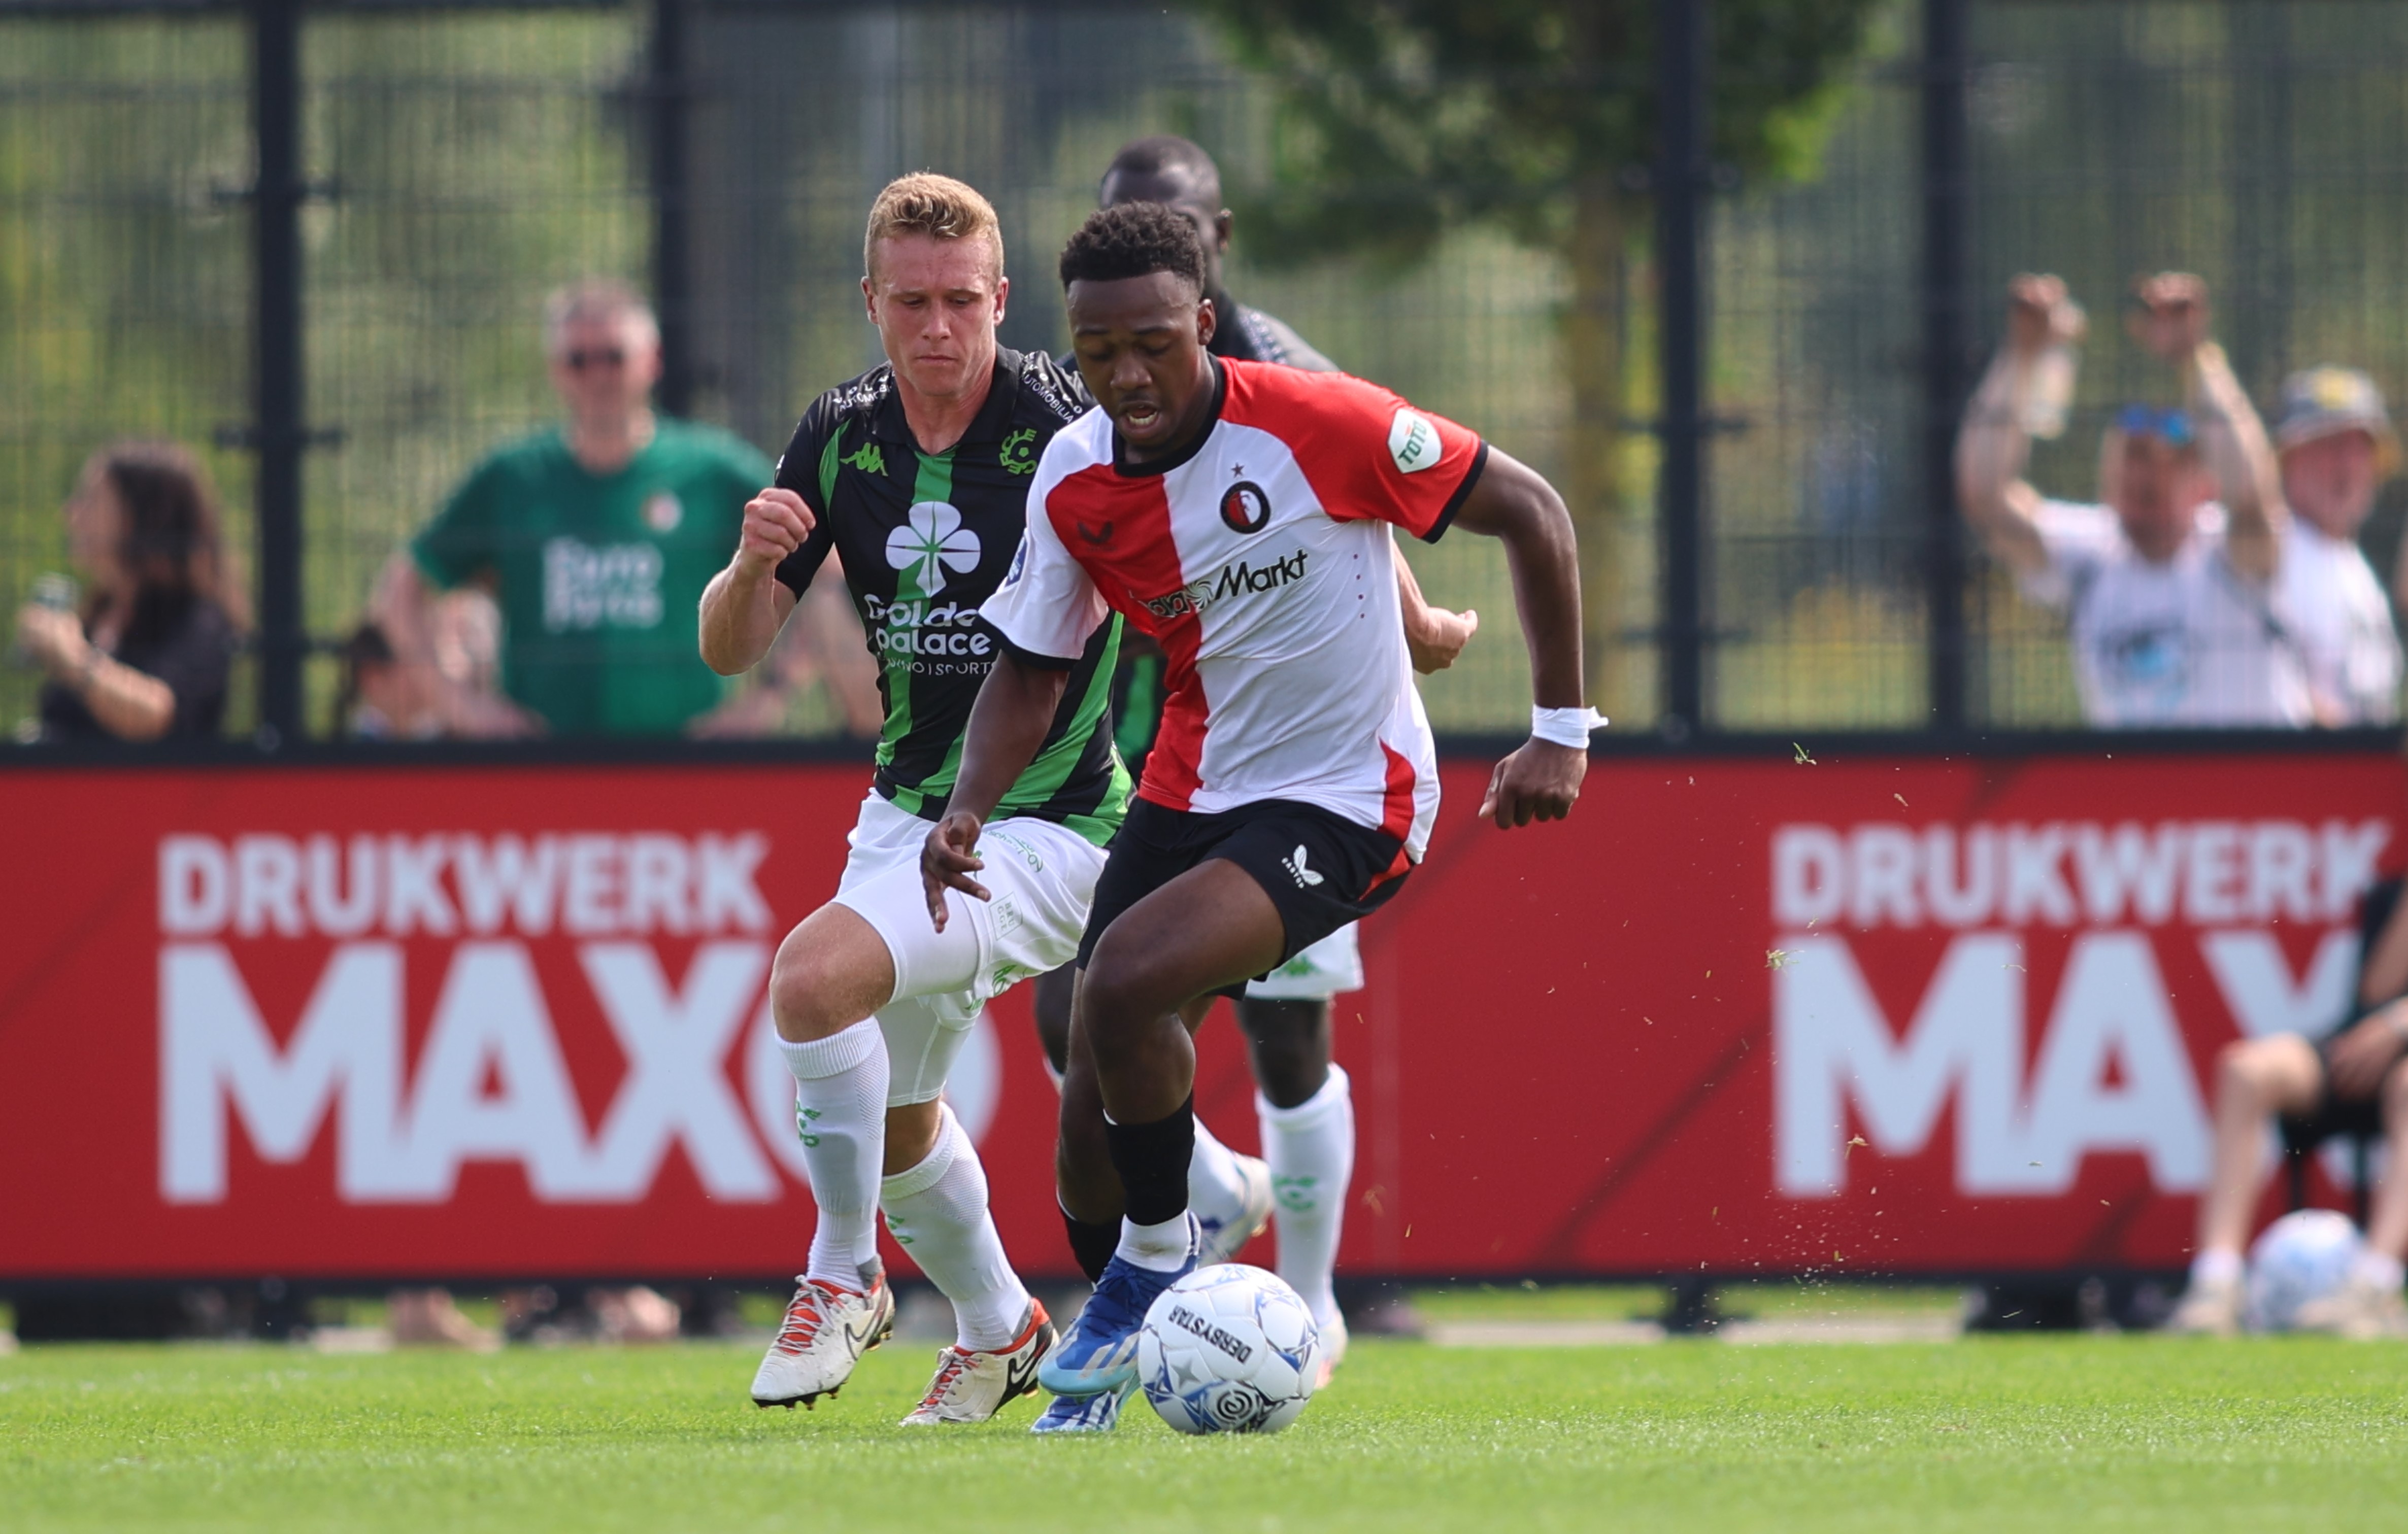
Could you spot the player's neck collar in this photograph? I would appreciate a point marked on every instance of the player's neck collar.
(1151, 467)
(993, 414)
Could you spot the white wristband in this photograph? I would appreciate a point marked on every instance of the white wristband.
(1565, 727)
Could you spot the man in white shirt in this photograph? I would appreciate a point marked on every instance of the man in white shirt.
(2337, 447)
(2167, 595)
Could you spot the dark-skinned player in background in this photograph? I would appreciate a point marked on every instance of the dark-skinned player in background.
(1233, 511)
(1304, 1107)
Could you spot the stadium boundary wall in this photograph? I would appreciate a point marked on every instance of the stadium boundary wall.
(1864, 1014)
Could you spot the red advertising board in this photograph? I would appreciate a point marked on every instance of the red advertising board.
(1892, 1015)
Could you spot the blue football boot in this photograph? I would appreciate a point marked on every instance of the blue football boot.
(1097, 1414)
(1099, 1352)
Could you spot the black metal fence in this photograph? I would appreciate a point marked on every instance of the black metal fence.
(314, 241)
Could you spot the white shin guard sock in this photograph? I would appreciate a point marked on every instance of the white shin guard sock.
(1310, 1148)
(1164, 1247)
(1216, 1189)
(840, 1116)
(938, 1212)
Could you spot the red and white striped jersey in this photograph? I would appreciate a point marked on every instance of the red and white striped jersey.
(1261, 562)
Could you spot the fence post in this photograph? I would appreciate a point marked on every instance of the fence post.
(672, 260)
(1683, 28)
(278, 430)
(1947, 361)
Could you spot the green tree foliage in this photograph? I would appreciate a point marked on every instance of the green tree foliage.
(1403, 119)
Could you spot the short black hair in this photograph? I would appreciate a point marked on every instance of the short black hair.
(1163, 156)
(1133, 239)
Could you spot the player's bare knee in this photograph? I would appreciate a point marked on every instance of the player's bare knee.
(1119, 995)
(799, 996)
(2242, 1071)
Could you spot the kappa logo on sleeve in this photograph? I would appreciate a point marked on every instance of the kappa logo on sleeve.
(1413, 441)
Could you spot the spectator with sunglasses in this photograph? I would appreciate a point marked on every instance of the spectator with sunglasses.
(2167, 595)
(597, 539)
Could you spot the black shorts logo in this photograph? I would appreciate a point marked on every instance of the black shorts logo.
(1246, 507)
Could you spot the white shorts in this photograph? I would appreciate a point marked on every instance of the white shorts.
(1042, 877)
(1318, 972)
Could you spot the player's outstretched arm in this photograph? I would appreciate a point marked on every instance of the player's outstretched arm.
(1513, 503)
(2173, 323)
(1015, 708)
(746, 604)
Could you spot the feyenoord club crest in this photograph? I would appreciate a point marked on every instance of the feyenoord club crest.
(1246, 507)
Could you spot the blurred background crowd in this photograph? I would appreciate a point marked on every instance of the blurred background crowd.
(616, 230)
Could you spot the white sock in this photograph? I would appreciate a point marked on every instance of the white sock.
(2216, 1265)
(1164, 1247)
(1216, 1189)
(938, 1212)
(2377, 1271)
(1310, 1148)
(841, 1091)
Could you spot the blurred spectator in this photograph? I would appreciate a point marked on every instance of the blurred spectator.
(2352, 1082)
(2337, 447)
(597, 539)
(592, 1313)
(2168, 597)
(383, 699)
(428, 1318)
(145, 655)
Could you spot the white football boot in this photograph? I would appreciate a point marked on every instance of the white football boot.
(1223, 1239)
(826, 1330)
(973, 1386)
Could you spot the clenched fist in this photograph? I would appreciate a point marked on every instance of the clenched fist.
(776, 523)
(2171, 320)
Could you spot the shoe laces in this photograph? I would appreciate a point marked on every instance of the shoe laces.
(1121, 1298)
(803, 1321)
(952, 1364)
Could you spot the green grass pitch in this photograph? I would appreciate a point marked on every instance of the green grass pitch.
(2009, 1433)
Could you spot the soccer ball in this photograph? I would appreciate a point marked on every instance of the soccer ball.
(2304, 1255)
(1228, 1349)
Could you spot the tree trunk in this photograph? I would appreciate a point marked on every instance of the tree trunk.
(1593, 357)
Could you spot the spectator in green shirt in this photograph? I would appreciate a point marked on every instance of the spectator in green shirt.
(597, 539)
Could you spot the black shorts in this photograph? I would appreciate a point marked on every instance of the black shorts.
(1321, 870)
(2357, 1117)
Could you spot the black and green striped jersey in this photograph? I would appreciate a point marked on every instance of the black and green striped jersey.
(924, 538)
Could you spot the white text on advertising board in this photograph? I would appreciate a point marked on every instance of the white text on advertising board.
(2110, 1072)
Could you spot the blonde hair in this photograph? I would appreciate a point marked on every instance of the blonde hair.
(595, 298)
(939, 206)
